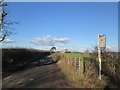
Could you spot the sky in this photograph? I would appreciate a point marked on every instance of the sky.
(65, 25)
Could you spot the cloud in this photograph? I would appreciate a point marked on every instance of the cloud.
(83, 49)
(49, 41)
(8, 41)
(62, 40)
(72, 48)
(112, 48)
(60, 44)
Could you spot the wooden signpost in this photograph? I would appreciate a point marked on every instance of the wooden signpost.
(101, 44)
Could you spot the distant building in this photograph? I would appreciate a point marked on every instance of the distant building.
(62, 52)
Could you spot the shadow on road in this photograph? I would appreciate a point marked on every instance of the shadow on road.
(42, 73)
(18, 59)
(42, 62)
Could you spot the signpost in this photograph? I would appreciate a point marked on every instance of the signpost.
(101, 44)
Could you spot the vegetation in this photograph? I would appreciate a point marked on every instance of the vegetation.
(5, 29)
(17, 58)
(52, 49)
(89, 79)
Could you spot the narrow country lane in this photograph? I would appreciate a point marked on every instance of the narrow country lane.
(41, 76)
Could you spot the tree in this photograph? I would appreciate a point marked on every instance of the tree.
(5, 30)
(52, 49)
(95, 49)
(86, 51)
(66, 50)
(3, 14)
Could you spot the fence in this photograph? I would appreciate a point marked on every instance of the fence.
(77, 63)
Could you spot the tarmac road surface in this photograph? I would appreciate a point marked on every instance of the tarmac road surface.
(39, 76)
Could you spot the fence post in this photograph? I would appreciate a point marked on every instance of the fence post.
(68, 60)
(81, 65)
(75, 60)
(77, 64)
(68, 63)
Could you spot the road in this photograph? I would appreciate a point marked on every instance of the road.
(37, 76)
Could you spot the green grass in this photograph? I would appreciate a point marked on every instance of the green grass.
(74, 54)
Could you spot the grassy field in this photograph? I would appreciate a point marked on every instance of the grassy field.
(74, 54)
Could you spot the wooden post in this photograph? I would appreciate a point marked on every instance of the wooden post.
(81, 65)
(99, 56)
(68, 60)
(101, 44)
(68, 63)
(76, 64)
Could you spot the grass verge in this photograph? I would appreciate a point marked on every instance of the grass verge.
(89, 79)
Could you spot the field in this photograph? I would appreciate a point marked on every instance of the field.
(74, 54)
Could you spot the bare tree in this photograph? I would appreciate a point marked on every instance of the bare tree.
(86, 51)
(5, 30)
(95, 49)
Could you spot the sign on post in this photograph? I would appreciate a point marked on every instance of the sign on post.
(101, 44)
(101, 41)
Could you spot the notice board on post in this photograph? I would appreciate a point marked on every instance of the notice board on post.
(101, 41)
